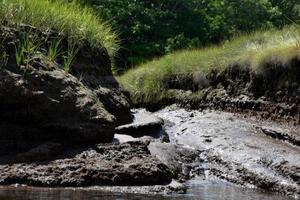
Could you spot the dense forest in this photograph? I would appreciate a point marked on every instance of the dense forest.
(149, 29)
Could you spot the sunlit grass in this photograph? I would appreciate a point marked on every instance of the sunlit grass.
(79, 23)
(253, 50)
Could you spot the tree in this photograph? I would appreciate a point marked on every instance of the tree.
(151, 28)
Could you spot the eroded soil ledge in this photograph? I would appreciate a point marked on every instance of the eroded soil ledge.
(272, 94)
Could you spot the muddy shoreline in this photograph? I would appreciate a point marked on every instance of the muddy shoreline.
(180, 144)
(242, 150)
(264, 109)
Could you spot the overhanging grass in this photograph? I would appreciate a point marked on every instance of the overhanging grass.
(147, 82)
(78, 22)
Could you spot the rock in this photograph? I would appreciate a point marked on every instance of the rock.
(173, 188)
(238, 150)
(55, 104)
(126, 164)
(144, 124)
(40, 153)
(284, 135)
(178, 158)
(40, 102)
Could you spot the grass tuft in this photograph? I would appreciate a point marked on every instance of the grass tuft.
(69, 57)
(78, 22)
(54, 50)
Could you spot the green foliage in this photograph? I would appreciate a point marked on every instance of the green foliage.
(147, 82)
(54, 50)
(77, 22)
(3, 59)
(27, 47)
(152, 28)
(69, 57)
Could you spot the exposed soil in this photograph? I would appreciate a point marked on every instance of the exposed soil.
(244, 151)
(126, 164)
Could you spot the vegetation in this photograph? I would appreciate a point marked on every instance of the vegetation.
(78, 22)
(69, 58)
(54, 50)
(153, 28)
(147, 83)
(27, 47)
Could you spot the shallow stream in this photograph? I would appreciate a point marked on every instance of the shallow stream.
(232, 139)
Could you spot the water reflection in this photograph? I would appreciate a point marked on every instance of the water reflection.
(198, 190)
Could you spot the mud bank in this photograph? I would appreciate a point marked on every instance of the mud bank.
(273, 93)
(201, 151)
(233, 148)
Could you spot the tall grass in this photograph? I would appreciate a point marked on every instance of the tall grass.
(147, 82)
(79, 23)
(27, 46)
(54, 50)
(69, 57)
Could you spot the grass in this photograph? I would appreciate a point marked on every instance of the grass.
(79, 23)
(27, 46)
(3, 59)
(54, 50)
(147, 82)
(69, 57)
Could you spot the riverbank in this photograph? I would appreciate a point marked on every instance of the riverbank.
(203, 149)
(256, 74)
(238, 149)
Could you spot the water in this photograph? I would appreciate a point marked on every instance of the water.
(198, 190)
(234, 139)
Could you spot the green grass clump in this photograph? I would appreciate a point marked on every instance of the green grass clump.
(147, 82)
(78, 22)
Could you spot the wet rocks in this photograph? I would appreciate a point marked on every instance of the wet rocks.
(280, 134)
(233, 148)
(173, 187)
(126, 164)
(144, 124)
(178, 158)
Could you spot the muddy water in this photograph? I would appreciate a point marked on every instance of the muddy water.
(233, 150)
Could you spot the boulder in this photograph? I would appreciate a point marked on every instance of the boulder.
(41, 102)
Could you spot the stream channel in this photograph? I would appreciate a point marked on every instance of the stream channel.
(236, 157)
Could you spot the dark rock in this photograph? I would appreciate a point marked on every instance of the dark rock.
(126, 164)
(55, 104)
(40, 153)
(40, 102)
